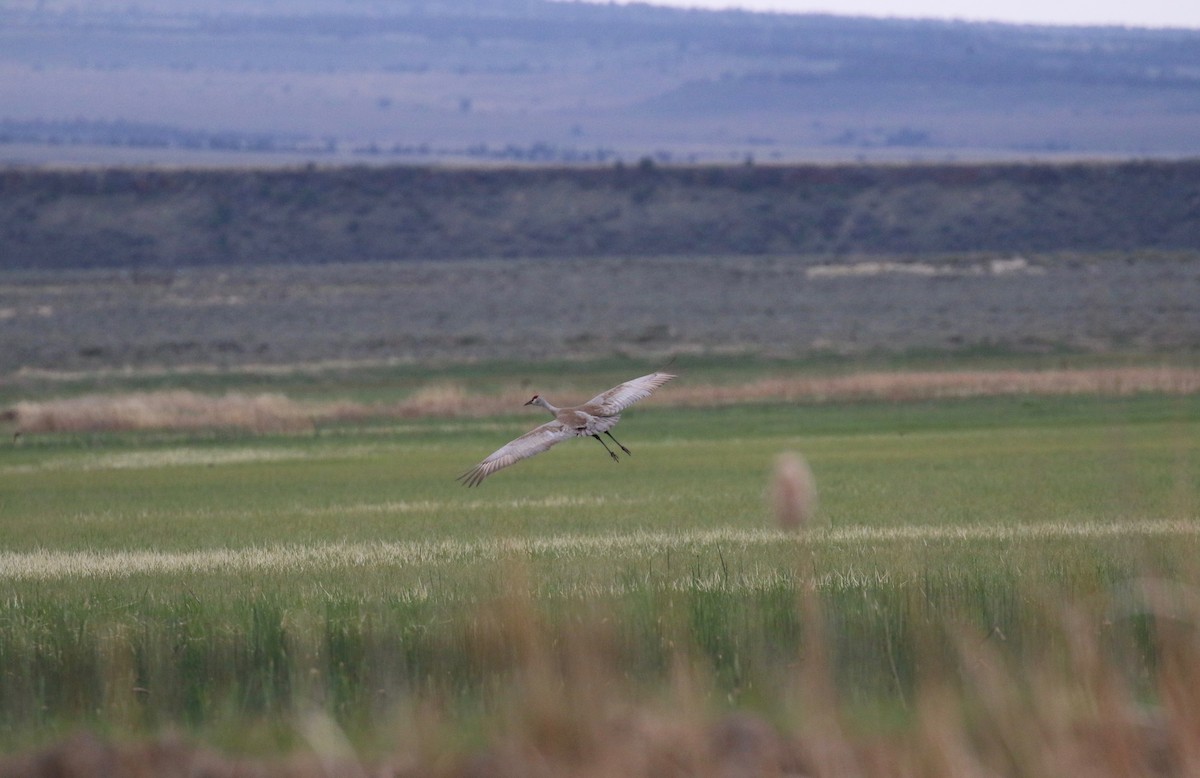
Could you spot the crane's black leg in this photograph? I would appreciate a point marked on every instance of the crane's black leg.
(606, 448)
(619, 443)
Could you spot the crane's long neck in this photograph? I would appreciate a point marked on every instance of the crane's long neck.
(545, 404)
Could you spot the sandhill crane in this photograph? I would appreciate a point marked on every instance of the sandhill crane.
(592, 419)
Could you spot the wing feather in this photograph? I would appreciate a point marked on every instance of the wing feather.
(624, 395)
(535, 441)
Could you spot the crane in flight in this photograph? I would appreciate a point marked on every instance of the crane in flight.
(594, 418)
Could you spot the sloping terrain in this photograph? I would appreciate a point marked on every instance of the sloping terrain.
(170, 219)
(527, 80)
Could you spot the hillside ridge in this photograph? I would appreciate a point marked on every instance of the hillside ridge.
(146, 218)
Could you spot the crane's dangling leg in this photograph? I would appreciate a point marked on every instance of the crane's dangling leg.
(606, 448)
(619, 443)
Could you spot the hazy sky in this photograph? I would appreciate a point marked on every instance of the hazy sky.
(1139, 13)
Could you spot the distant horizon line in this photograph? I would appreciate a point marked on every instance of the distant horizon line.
(931, 11)
(930, 16)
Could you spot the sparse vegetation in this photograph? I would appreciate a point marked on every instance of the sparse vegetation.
(406, 317)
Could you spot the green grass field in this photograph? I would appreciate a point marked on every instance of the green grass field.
(225, 584)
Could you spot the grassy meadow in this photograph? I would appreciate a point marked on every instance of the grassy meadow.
(971, 559)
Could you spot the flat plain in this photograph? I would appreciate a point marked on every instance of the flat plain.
(233, 585)
(428, 313)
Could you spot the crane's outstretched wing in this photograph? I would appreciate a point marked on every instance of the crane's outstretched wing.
(535, 441)
(620, 397)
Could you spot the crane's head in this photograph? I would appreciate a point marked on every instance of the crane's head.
(537, 399)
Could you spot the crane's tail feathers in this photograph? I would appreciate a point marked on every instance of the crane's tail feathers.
(473, 477)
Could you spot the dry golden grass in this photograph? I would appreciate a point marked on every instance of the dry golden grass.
(278, 413)
(919, 385)
(163, 410)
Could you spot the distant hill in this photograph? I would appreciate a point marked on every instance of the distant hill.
(258, 82)
(167, 219)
